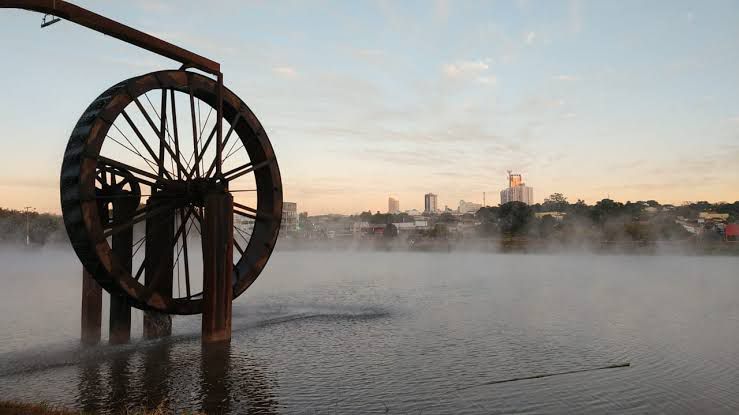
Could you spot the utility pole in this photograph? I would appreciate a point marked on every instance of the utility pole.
(28, 224)
(483, 199)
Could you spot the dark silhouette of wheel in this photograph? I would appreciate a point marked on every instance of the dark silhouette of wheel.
(135, 174)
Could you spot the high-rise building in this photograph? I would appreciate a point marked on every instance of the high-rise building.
(514, 180)
(429, 203)
(517, 191)
(289, 217)
(393, 205)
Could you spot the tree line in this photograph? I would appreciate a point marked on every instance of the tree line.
(43, 227)
(605, 221)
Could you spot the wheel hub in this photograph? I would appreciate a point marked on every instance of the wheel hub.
(191, 192)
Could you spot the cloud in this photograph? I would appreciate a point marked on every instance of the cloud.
(566, 78)
(375, 56)
(285, 71)
(464, 69)
(530, 38)
(487, 80)
(370, 52)
(470, 70)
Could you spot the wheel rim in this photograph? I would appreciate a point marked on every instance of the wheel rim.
(158, 132)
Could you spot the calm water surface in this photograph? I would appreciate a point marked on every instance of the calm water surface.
(399, 333)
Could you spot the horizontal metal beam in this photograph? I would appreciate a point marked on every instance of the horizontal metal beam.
(117, 30)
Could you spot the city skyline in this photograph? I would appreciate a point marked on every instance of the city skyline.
(443, 98)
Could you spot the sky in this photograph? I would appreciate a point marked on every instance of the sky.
(631, 100)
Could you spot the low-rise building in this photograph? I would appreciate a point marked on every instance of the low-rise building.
(556, 215)
(716, 217)
(289, 217)
(468, 207)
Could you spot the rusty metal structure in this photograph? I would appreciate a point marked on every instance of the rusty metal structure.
(148, 183)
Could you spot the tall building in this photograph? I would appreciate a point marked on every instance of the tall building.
(514, 180)
(289, 217)
(517, 191)
(429, 203)
(393, 205)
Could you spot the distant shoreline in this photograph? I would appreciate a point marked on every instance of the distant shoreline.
(514, 246)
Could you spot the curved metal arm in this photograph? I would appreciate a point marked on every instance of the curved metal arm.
(120, 31)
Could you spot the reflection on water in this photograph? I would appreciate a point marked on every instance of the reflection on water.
(150, 378)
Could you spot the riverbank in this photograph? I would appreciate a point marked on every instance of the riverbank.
(17, 408)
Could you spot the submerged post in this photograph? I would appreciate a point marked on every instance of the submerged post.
(92, 310)
(217, 267)
(120, 312)
(158, 268)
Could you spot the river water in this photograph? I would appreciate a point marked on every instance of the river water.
(371, 332)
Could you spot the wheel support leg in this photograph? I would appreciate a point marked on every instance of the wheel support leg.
(217, 268)
(92, 310)
(119, 321)
(158, 270)
(120, 311)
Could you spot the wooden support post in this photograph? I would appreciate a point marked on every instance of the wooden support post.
(92, 310)
(157, 379)
(217, 267)
(158, 269)
(214, 368)
(120, 312)
(119, 321)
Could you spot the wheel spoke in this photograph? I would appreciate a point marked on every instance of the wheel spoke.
(225, 141)
(246, 237)
(199, 217)
(159, 162)
(160, 132)
(199, 156)
(238, 247)
(183, 249)
(194, 131)
(162, 127)
(131, 169)
(234, 151)
(174, 131)
(155, 281)
(246, 168)
(187, 262)
(148, 213)
(133, 150)
(119, 196)
(250, 212)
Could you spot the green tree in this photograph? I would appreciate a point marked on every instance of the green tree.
(391, 231)
(514, 218)
(487, 214)
(604, 210)
(547, 225)
(555, 202)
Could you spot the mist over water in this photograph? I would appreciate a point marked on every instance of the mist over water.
(346, 331)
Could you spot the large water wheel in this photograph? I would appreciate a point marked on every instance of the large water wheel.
(137, 171)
